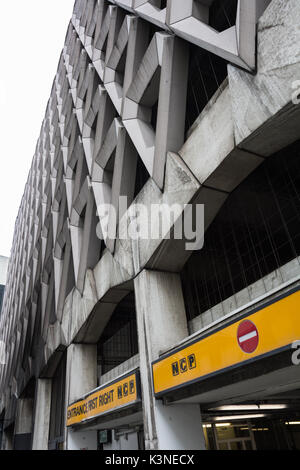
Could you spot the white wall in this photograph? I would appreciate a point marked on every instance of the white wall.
(131, 443)
(82, 440)
(179, 427)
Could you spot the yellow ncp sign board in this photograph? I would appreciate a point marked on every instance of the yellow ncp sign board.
(260, 333)
(118, 394)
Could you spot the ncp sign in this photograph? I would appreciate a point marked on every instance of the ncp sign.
(106, 399)
(264, 332)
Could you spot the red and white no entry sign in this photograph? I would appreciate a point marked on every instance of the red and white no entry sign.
(247, 336)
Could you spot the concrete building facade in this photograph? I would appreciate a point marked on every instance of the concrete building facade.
(119, 341)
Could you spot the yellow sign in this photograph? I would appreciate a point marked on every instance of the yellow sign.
(272, 328)
(118, 394)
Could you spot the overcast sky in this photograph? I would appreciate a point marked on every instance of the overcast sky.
(32, 35)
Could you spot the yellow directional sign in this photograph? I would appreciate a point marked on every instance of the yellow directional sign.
(118, 394)
(259, 333)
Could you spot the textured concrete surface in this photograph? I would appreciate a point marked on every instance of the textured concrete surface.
(258, 99)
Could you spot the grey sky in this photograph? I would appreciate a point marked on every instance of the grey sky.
(32, 35)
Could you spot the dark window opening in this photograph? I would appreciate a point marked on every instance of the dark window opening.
(256, 232)
(142, 176)
(82, 216)
(222, 14)
(154, 115)
(151, 96)
(29, 391)
(111, 163)
(80, 175)
(57, 413)
(122, 62)
(163, 4)
(71, 277)
(206, 74)
(36, 338)
(2, 288)
(151, 29)
(9, 435)
(2, 416)
(51, 301)
(119, 341)
(104, 47)
(96, 245)
(94, 124)
(120, 75)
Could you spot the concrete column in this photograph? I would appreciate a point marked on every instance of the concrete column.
(162, 323)
(171, 104)
(23, 426)
(42, 415)
(81, 378)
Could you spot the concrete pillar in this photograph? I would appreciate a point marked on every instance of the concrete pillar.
(23, 425)
(42, 415)
(171, 104)
(81, 378)
(162, 323)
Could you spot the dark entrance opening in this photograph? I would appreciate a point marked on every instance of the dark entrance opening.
(119, 341)
(57, 416)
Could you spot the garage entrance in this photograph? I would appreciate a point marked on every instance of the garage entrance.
(267, 431)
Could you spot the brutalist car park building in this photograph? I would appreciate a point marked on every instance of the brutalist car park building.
(117, 341)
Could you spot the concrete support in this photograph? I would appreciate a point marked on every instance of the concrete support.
(42, 415)
(23, 426)
(81, 378)
(171, 104)
(162, 323)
